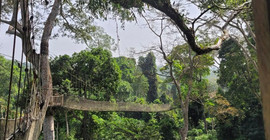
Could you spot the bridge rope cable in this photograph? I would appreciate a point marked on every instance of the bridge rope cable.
(0, 9)
(18, 94)
(5, 55)
(12, 64)
(30, 70)
(23, 94)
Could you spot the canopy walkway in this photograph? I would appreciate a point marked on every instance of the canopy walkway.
(80, 103)
(10, 127)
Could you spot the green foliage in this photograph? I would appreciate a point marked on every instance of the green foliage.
(124, 90)
(61, 67)
(140, 84)
(200, 134)
(117, 127)
(148, 66)
(93, 74)
(164, 98)
(98, 70)
(128, 68)
(94, 70)
(5, 67)
(181, 70)
(169, 125)
(239, 82)
(157, 101)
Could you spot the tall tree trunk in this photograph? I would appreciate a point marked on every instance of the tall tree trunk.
(84, 127)
(48, 128)
(204, 121)
(57, 131)
(261, 10)
(38, 111)
(184, 129)
(67, 127)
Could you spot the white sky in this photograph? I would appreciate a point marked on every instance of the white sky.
(135, 35)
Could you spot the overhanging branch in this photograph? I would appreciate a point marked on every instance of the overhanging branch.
(179, 20)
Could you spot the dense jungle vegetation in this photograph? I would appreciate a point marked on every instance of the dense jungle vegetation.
(214, 91)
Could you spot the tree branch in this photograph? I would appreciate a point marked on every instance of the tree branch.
(177, 84)
(193, 23)
(166, 7)
(250, 31)
(48, 28)
(246, 54)
(12, 24)
(12, 31)
(238, 27)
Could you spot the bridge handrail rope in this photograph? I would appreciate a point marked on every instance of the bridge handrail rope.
(12, 64)
(23, 93)
(18, 93)
(57, 100)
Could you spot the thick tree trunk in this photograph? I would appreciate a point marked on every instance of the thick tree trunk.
(48, 128)
(37, 110)
(40, 100)
(261, 10)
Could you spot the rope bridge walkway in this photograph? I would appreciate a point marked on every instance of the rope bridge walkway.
(80, 103)
(10, 126)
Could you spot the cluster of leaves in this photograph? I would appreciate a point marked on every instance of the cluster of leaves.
(148, 67)
(117, 127)
(93, 71)
(199, 134)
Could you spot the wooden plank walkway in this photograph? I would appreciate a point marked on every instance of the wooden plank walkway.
(79, 103)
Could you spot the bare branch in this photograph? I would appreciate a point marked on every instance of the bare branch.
(12, 31)
(193, 23)
(163, 75)
(250, 31)
(203, 24)
(177, 84)
(147, 50)
(216, 62)
(148, 24)
(239, 27)
(12, 24)
(221, 39)
(246, 54)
